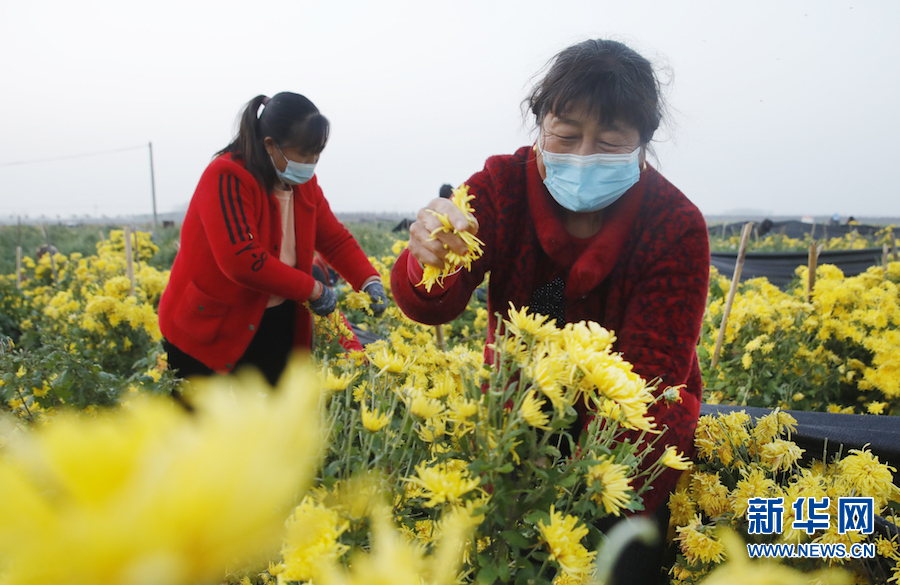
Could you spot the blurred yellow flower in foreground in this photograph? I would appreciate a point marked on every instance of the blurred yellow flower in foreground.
(739, 570)
(394, 561)
(152, 494)
(312, 540)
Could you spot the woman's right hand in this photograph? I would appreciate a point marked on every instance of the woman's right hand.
(432, 251)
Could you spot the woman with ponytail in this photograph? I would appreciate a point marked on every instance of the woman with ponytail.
(242, 280)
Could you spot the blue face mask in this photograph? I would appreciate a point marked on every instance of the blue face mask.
(295, 173)
(588, 183)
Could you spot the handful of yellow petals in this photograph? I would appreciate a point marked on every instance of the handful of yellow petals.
(453, 262)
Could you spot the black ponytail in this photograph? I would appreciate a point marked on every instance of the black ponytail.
(290, 119)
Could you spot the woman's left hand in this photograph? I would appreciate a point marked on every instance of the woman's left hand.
(379, 298)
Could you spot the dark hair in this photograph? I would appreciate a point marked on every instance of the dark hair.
(290, 119)
(607, 77)
(446, 191)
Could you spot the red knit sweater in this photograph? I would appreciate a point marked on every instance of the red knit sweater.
(228, 266)
(644, 275)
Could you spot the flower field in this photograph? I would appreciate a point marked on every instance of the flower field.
(775, 242)
(839, 351)
(414, 461)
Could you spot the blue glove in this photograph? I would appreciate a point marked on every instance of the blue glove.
(378, 296)
(325, 304)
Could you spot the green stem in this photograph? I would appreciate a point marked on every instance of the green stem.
(24, 404)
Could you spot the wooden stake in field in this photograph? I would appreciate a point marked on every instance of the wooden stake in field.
(137, 249)
(884, 260)
(50, 251)
(812, 264)
(439, 337)
(18, 266)
(129, 260)
(732, 290)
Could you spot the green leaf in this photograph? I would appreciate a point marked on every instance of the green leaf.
(503, 567)
(525, 574)
(567, 481)
(536, 516)
(487, 575)
(515, 538)
(505, 468)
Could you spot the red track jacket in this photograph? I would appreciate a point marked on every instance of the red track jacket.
(228, 267)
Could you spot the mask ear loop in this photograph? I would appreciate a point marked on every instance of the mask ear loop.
(538, 148)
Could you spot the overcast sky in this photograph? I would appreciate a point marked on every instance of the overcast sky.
(787, 107)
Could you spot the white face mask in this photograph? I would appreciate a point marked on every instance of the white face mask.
(295, 173)
(589, 182)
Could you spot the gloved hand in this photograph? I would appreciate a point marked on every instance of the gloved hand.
(378, 296)
(325, 303)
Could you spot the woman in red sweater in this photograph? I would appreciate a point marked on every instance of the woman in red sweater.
(242, 280)
(578, 226)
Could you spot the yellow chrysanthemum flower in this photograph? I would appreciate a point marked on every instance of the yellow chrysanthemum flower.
(709, 493)
(682, 508)
(563, 535)
(423, 407)
(433, 430)
(531, 411)
(334, 383)
(549, 373)
(876, 407)
(697, 545)
(447, 481)
(531, 327)
(359, 301)
(772, 425)
(780, 454)
(672, 459)
(614, 491)
(718, 436)
(386, 360)
(372, 420)
(888, 548)
(755, 484)
(461, 408)
(443, 383)
(868, 477)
